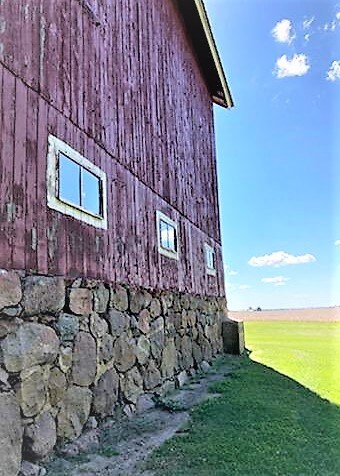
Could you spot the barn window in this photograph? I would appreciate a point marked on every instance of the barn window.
(75, 186)
(167, 234)
(209, 259)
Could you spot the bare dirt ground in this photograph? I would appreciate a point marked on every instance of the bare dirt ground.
(327, 314)
(120, 448)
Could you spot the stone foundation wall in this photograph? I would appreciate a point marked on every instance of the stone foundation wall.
(74, 349)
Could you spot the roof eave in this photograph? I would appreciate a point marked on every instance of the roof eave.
(226, 100)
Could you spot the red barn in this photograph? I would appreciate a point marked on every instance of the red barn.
(110, 240)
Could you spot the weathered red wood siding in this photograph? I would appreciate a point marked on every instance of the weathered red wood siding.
(118, 81)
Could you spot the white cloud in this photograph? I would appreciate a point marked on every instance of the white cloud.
(229, 271)
(337, 242)
(296, 66)
(334, 71)
(276, 280)
(280, 258)
(307, 36)
(337, 15)
(232, 273)
(283, 31)
(244, 286)
(307, 23)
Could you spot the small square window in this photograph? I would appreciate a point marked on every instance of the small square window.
(167, 236)
(75, 186)
(210, 259)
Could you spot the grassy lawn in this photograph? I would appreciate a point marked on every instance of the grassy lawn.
(266, 423)
(308, 352)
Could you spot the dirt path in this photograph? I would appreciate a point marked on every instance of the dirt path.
(120, 448)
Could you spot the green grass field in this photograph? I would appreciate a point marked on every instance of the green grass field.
(268, 421)
(308, 352)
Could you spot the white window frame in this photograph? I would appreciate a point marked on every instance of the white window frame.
(55, 146)
(164, 251)
(208, 249)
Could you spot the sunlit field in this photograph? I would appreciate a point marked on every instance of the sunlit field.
(308, 352)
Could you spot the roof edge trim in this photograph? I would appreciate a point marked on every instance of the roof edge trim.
(213, 49)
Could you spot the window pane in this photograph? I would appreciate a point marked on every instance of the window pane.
(90, 192)
(172, 238)
(69, 184)
(163, 229)
(168, 236)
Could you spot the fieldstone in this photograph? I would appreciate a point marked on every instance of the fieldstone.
(31, 344)
(144, 403)
(31, 469)
(65, 359)
(155, 308)
(43, 294)
(105, 348)
(10, 289)
(91, 423)
(84, 364)
(106, 394)
(119, 322)
(98, 325)
(40, 438)
(119, 298)
(132, 385)
(139, 300)
(205, 366)
(4, 385)
(10, 312)
(101, 296)
(191, 316)
(67, 326)
(169, 359)
(10, 435)
(74, 412)
(197, 353)
(182, 378)
(205, 347)
(167, 388)
(152, 376)
(56, 386)
(157, 337)
(31, 391)
(142, 350)
(124, 353)
(143, 322)
(166, 301)
(186, 358)
(80, 301)
(185, 301)
(7, 326)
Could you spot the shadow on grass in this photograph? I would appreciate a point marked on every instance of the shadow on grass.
(264, 424)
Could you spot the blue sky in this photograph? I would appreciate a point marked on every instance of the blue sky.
(279, 151)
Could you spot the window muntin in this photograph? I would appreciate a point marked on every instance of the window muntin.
(75, 186)
(210, 259)
(78, 186)
(168, 239)
(167, 234)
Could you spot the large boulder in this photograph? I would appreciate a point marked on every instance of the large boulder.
(84, 364)
(80, 301)
(10, 288)
(74, 412)
(106, 393)
(32, 390)
(56, 386)
(101, 296)
(124, 353)
(67, 326)
(119, 322)
(132, 385)
(31, 344)
(40, 437)
(119, 298)
(169, 359)
(43, 294)
(10, 435)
